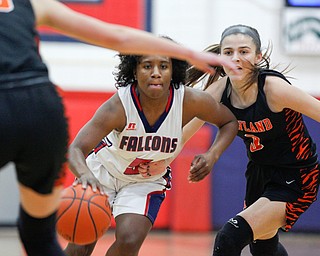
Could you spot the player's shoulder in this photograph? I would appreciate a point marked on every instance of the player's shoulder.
(276, 84)
(277, 90)
(193, 93)
(271, 75)
(217, 88)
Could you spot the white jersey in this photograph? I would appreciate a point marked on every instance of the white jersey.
(121, 152)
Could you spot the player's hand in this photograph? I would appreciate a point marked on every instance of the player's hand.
(153, 168)
(201, 166)
(89, 179)
(206, 61)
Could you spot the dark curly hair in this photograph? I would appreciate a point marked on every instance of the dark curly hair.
(124, 73)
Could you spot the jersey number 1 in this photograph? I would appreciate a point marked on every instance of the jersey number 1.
(255, 145)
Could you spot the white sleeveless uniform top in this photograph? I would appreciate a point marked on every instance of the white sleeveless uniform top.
(121, 152)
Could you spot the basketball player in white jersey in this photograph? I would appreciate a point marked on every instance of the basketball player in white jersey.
(141, 123)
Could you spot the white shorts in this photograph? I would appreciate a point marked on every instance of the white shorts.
(143, 198)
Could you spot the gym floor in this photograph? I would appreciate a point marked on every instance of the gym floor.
(161, 243)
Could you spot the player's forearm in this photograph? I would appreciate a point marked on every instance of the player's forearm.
(117, 37)
(190, 129)
(77, 162)
(223, 139)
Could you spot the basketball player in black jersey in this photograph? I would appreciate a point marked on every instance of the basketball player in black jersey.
(33, 129)
(283, 170)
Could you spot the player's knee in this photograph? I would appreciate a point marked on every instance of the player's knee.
(268, 247)
(129, 244)
(233, 237)
(225, 245)
(40, 205)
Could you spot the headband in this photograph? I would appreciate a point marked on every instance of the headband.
(245, 30)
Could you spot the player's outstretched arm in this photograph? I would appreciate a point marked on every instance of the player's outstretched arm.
(203, 106)
(120, 38)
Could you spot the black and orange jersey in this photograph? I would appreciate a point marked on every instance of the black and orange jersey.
(19, 45)
(278, 139)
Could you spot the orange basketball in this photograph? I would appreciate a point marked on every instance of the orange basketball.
(83, 216)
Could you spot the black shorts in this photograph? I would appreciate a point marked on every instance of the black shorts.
(34, 134)
(296, 186)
